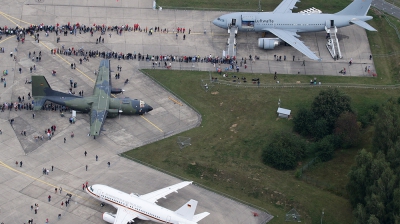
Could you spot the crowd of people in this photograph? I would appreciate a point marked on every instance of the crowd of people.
(73, 29)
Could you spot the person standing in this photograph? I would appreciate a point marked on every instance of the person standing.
(65, 140)
(97, 158)
(86, 167)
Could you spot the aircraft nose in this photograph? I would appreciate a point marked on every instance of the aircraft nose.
(215, 22)
(149, 108)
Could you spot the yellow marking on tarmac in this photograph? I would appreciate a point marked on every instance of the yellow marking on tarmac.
(34, 178)
(175, 101)
(151, 123)
(6, 39)
(6, 16)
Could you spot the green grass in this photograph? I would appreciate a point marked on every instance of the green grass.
(251, 5)
(228, 159)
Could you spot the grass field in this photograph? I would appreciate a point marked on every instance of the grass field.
(250, 5)
(225, 151)
(238, 122)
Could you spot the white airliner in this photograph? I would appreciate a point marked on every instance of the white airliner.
(131, 206)
(285, 25)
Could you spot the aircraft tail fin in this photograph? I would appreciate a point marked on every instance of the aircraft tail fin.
(187, 210)
(200, 216)
(40, 86)
(40, 89)
(356, 8)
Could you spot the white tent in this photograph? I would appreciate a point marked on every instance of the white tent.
(283, 113)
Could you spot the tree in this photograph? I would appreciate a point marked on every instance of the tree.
(387, 125)
(285, 150)
(348, 129)
(373, 188)
(360, 214)
(321, 128)
(359, 178)
(304, 122)
(373, 220)
(325, 148)
(329, 104)
(393, 157)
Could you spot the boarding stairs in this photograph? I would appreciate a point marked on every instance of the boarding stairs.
(333, 43)
(231, 51)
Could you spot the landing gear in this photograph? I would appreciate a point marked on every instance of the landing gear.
(94, 136)
(102, 204)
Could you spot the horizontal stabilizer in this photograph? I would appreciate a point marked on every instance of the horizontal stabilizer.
(187, 210)
(38, 103)
(363, 25)
(200, 216)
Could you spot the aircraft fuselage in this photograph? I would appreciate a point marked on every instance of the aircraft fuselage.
(130, 202)
(126, 106)
(295, 22)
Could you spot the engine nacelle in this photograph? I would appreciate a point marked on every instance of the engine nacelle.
(108, 217)
(113, 113)
(268, 43)
(116, 90)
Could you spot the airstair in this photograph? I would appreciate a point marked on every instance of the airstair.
(333, 43)
(232, 30)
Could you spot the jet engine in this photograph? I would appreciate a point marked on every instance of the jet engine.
(268, 43)
(108, 217)
(116, 90)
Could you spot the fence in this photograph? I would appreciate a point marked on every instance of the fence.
(340, 191)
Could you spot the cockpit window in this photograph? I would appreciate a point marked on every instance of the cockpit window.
(222, 20)
(142, 103)
(91, 189)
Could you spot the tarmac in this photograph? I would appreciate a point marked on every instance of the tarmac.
(21, 187)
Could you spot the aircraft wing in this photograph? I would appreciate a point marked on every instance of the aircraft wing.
(363, 24)
(289, 37)
(97, 118)
(155, 195)
(286, 6)
(124, 216)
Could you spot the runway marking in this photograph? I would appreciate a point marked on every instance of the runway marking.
(151, 123)
(175, 101)
(34, 178)
(5, 14)
(58, 55)
(6, 39)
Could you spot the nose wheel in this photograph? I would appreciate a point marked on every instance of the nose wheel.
(102, 204)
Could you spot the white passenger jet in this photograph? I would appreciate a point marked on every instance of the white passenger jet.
(131, 206)
(285, 25)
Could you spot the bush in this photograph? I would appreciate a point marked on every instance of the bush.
(303, 122)
(285, 150)
(325, 148)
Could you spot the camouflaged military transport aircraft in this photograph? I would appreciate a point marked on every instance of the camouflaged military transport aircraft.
(285, 25)
(100, 105)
